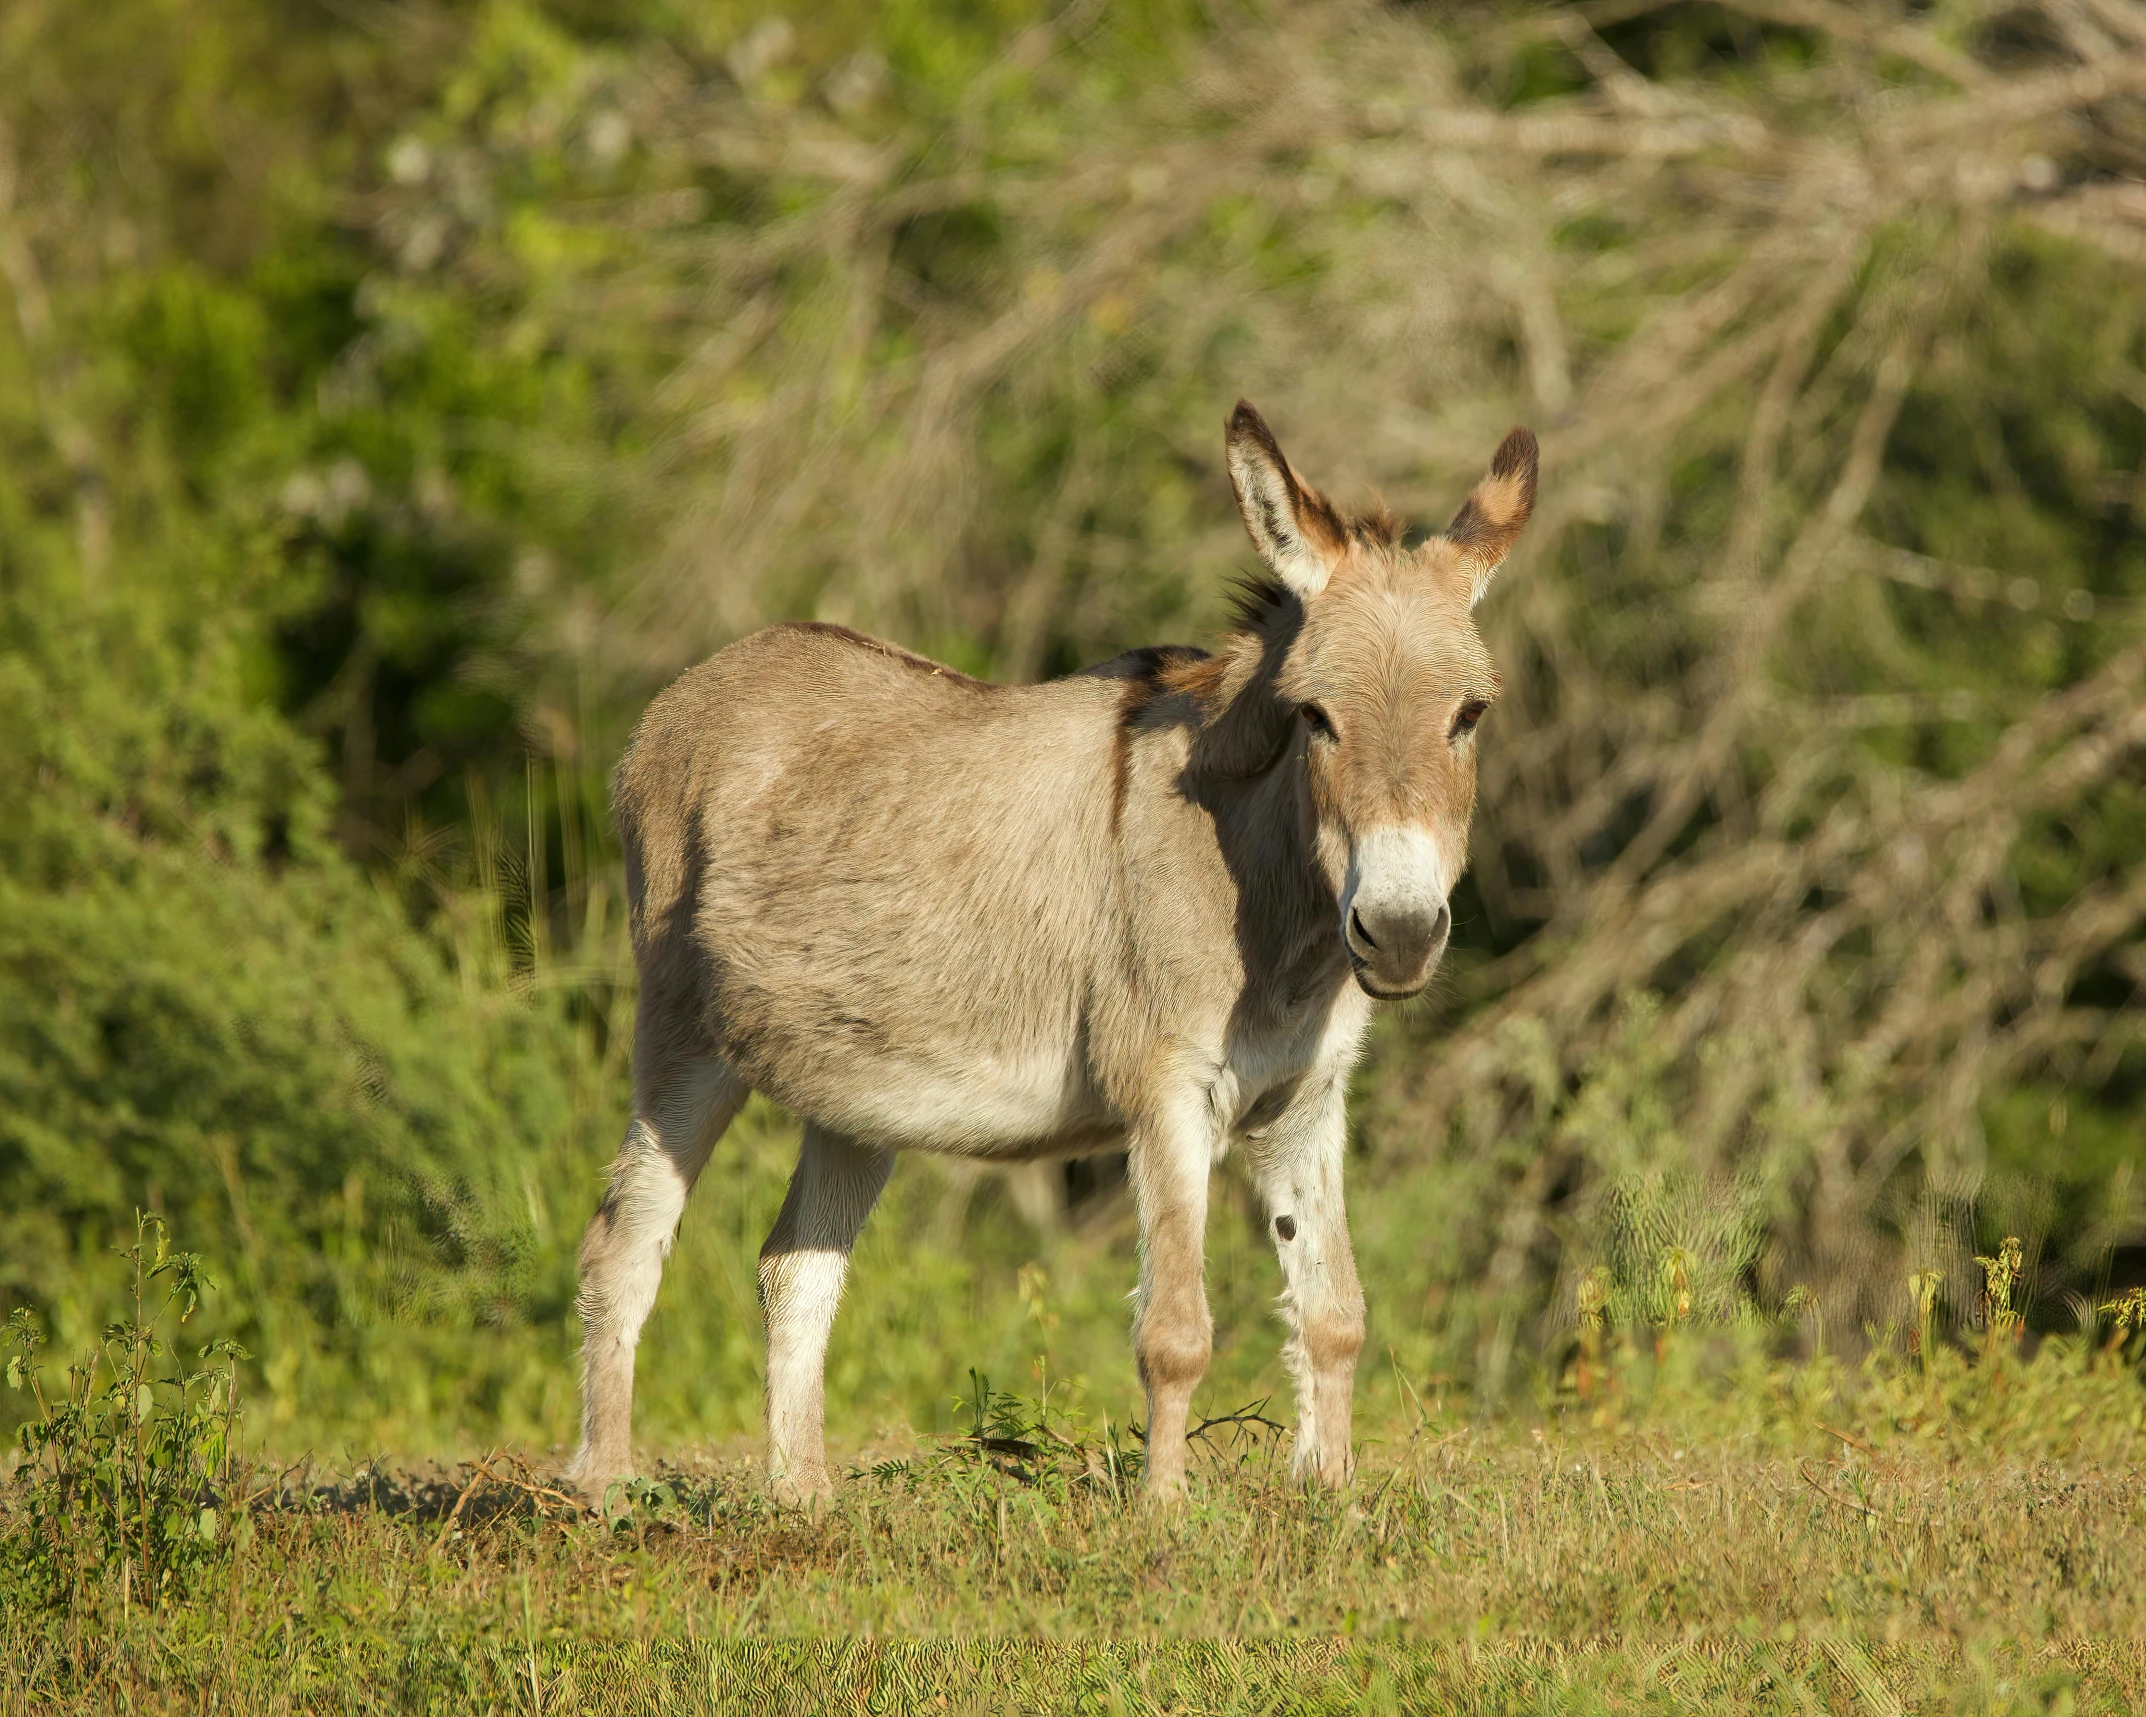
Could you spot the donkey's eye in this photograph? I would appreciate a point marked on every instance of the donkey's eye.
(1471, 712)
(1317, 719)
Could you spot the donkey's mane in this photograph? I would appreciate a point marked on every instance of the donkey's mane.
(1375, 527)
(1257, 598)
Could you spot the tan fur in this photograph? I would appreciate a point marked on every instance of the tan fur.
(1121, 909)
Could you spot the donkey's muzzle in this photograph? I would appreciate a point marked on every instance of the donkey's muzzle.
(1395, 949)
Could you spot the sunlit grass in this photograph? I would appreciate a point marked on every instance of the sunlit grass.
(1687, 1522)
(1558, 1569)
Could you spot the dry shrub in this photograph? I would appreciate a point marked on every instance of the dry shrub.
(1823, 715)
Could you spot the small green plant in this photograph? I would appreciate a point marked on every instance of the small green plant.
(2001, 1323)
(1015, 1435)
(632, 1505)
(2127, 1315)
(137, 1467)
(1005, 1426)
(1923, 1286)
(1591, 1300)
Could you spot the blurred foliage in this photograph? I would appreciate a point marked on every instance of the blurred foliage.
(391, 401)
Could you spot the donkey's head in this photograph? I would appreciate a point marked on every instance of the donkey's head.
(1388, 678)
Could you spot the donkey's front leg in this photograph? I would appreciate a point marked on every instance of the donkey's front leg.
(1299, 1164)
(801, 1271)
(1173, 1336)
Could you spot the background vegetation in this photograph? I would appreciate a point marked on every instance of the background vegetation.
(392, 398)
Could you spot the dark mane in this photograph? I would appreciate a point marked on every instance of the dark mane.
(1258, 597)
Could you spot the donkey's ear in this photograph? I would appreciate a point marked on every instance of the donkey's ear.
(1490, 518)
(1294, 527)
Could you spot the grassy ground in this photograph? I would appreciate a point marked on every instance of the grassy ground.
(1968, 1540)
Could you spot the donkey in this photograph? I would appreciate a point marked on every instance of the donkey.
(1144, 907)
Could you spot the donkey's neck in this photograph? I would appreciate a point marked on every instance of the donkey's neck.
(1247, 767)
(1244, 725)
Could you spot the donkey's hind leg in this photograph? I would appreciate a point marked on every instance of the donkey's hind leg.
(682, 1101)
(801, 1271)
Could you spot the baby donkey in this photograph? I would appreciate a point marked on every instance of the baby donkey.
(1146, 908)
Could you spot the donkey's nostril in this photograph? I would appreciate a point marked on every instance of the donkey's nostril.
(1356, 923)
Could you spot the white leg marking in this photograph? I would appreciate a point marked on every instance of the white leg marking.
(1299, 1169)
(802, 1268)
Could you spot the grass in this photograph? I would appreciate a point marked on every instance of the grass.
(1708, 1533)
(1687, 1520)
(1482, 1569)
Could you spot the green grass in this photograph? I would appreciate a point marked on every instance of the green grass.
(1483, 1570)
(1707, 1532)
(1687, 1519)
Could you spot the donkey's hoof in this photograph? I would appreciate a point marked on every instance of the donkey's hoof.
(1324, 1475)
(809, 1491)
(1165, 1492)
(597, 1480)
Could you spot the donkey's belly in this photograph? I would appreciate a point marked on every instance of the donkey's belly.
(1015, 1105)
